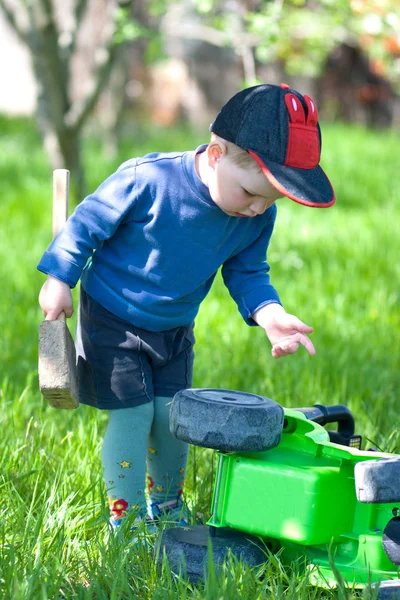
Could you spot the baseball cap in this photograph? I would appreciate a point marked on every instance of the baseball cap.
(279, 128)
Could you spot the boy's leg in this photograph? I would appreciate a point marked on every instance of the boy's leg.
(124, 459)
(166, 461)
(167, 456)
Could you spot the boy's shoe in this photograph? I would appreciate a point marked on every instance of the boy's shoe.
(171, 512)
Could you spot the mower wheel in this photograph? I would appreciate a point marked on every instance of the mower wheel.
(226, 420)
(388, 590)
(377, 481)
(186, 549)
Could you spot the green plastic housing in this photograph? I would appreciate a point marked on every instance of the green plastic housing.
(301, 496)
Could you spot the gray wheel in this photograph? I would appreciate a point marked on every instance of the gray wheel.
(378, 481)
(226, 420)
(391, 540)
(388, 590)
(186, 549)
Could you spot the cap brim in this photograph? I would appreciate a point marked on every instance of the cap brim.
(310, 187)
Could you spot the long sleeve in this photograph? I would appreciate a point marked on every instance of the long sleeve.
(246, 275)
(95, 220)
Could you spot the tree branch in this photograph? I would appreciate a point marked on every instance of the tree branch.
(197, 31)
(50, 32)
(79, 10)
(12, 20)
(105, 56)
(215, 37)
(50, 66)
(80, 109)
(47, 8)
(243, 47)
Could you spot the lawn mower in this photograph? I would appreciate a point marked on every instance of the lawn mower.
(285, 484)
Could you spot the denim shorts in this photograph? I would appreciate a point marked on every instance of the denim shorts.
(120, 365)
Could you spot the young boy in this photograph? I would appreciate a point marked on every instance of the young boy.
(147, 246)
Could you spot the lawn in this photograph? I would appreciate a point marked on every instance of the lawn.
(336, 269)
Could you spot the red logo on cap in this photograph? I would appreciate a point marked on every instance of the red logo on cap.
(303, 151)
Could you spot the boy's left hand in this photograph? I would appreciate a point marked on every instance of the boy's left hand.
(285, 332)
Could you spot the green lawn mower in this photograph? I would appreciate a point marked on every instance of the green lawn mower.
(286, 483)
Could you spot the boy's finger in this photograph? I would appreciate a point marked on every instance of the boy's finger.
(277, 352)
(302, 327)
(308, 345)
(284, 348)
(52, 315)
(291, 345)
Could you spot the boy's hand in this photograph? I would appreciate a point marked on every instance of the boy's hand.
(285, 332)
(55, 297)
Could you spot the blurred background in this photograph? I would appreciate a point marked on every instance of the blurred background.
(109, 65)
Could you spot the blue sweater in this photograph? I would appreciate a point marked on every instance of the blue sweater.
(149, 242)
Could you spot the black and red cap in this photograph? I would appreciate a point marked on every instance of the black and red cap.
(279, 128)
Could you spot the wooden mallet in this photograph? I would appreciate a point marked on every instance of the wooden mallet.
(57, 357)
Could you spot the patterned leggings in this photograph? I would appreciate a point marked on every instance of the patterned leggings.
(137, 438)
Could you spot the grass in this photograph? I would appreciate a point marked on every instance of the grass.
(338, 270)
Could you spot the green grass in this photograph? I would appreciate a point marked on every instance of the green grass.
(336, 269)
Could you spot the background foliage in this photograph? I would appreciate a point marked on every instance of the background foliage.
(301, 33)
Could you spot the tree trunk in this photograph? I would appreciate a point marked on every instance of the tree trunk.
(64, 152)
(62, 143)
(70, 145)
(116, 103)
(60, 119)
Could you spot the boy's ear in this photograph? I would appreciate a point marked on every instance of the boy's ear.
(216, 149)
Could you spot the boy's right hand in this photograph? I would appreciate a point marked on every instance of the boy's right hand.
(55, 297)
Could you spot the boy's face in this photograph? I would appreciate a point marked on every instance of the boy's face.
(240, 191)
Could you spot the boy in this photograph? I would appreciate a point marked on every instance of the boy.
(147, 245)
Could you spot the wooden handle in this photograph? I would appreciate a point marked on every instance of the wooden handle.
(60, 199)
(60, 207)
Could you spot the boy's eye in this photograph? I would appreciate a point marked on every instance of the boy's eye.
(248, 193)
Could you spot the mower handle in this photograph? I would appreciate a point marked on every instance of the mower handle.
(337, 413)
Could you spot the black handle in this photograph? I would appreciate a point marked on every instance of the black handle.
(338, 413)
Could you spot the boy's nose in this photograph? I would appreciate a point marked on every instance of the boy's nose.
(259, 206)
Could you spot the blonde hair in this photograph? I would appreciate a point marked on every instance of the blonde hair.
(239, 157)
